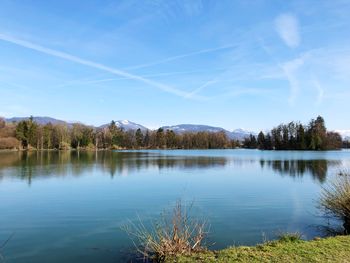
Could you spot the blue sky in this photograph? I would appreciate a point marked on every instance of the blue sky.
(247, 64)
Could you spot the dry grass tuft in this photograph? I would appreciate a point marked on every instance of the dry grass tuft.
(175, 234)
(335, 199)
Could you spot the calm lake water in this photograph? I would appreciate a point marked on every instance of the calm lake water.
(69, 207)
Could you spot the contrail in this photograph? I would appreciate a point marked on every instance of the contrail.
(181, 56)
(92, 64)
(144, 76)
(208, 83)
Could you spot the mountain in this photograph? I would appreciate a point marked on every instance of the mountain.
(39, 120)
(181, 128)
(238, 134)
(124, 124)
(241, 134)
(127, 125)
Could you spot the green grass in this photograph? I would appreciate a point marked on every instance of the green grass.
(332, 249)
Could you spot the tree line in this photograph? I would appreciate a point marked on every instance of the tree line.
(295, 136)
(28, 134)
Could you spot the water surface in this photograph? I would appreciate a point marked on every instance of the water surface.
(69, 206)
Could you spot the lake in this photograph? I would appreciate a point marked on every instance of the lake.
(70, 206)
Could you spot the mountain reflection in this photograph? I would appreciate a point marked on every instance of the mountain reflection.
(27, 165)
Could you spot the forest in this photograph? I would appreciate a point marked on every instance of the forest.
(295, 136)
(29, 135)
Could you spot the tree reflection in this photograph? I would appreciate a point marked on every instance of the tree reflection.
(297, 168)
(27, 165)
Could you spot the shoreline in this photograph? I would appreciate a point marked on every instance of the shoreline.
(138, 149)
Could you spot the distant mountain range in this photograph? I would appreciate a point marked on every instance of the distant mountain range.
(127, 125)
(238, 134)
(39, 120)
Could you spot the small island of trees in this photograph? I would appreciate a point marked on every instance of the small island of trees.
(295, 136)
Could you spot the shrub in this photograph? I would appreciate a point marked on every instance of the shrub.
(9, 143)
(289, 237)
(335, 199)
(64, 146)
(175, 234)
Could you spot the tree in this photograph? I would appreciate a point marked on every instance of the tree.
(61, 137)
(261, 140)
(317, 134)
(116, 134)
(285, 137)
(268, 142)
(22, 133)
(170, 138)
(76, 135)
(32, 133)
(146, 139)
(139, 138)
(160, 138)
(277, 137)
(300, 140)
(295, 136)
(47, 136)
(333, 141)
(250, 142)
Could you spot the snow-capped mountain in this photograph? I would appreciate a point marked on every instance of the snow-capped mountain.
(241, 134)
(127, 125)
(192, 128)
(238, 134)
(124, 124)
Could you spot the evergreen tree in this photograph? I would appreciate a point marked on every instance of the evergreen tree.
(261, 140)
(139, 138)
(22, 133)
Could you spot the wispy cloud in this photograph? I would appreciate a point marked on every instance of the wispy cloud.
(92, 64)
(290, 69)
(320, 91)
(287, 27)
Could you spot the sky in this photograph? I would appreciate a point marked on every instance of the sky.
(234, 64)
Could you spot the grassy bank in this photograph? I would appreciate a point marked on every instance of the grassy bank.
(332, 249)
